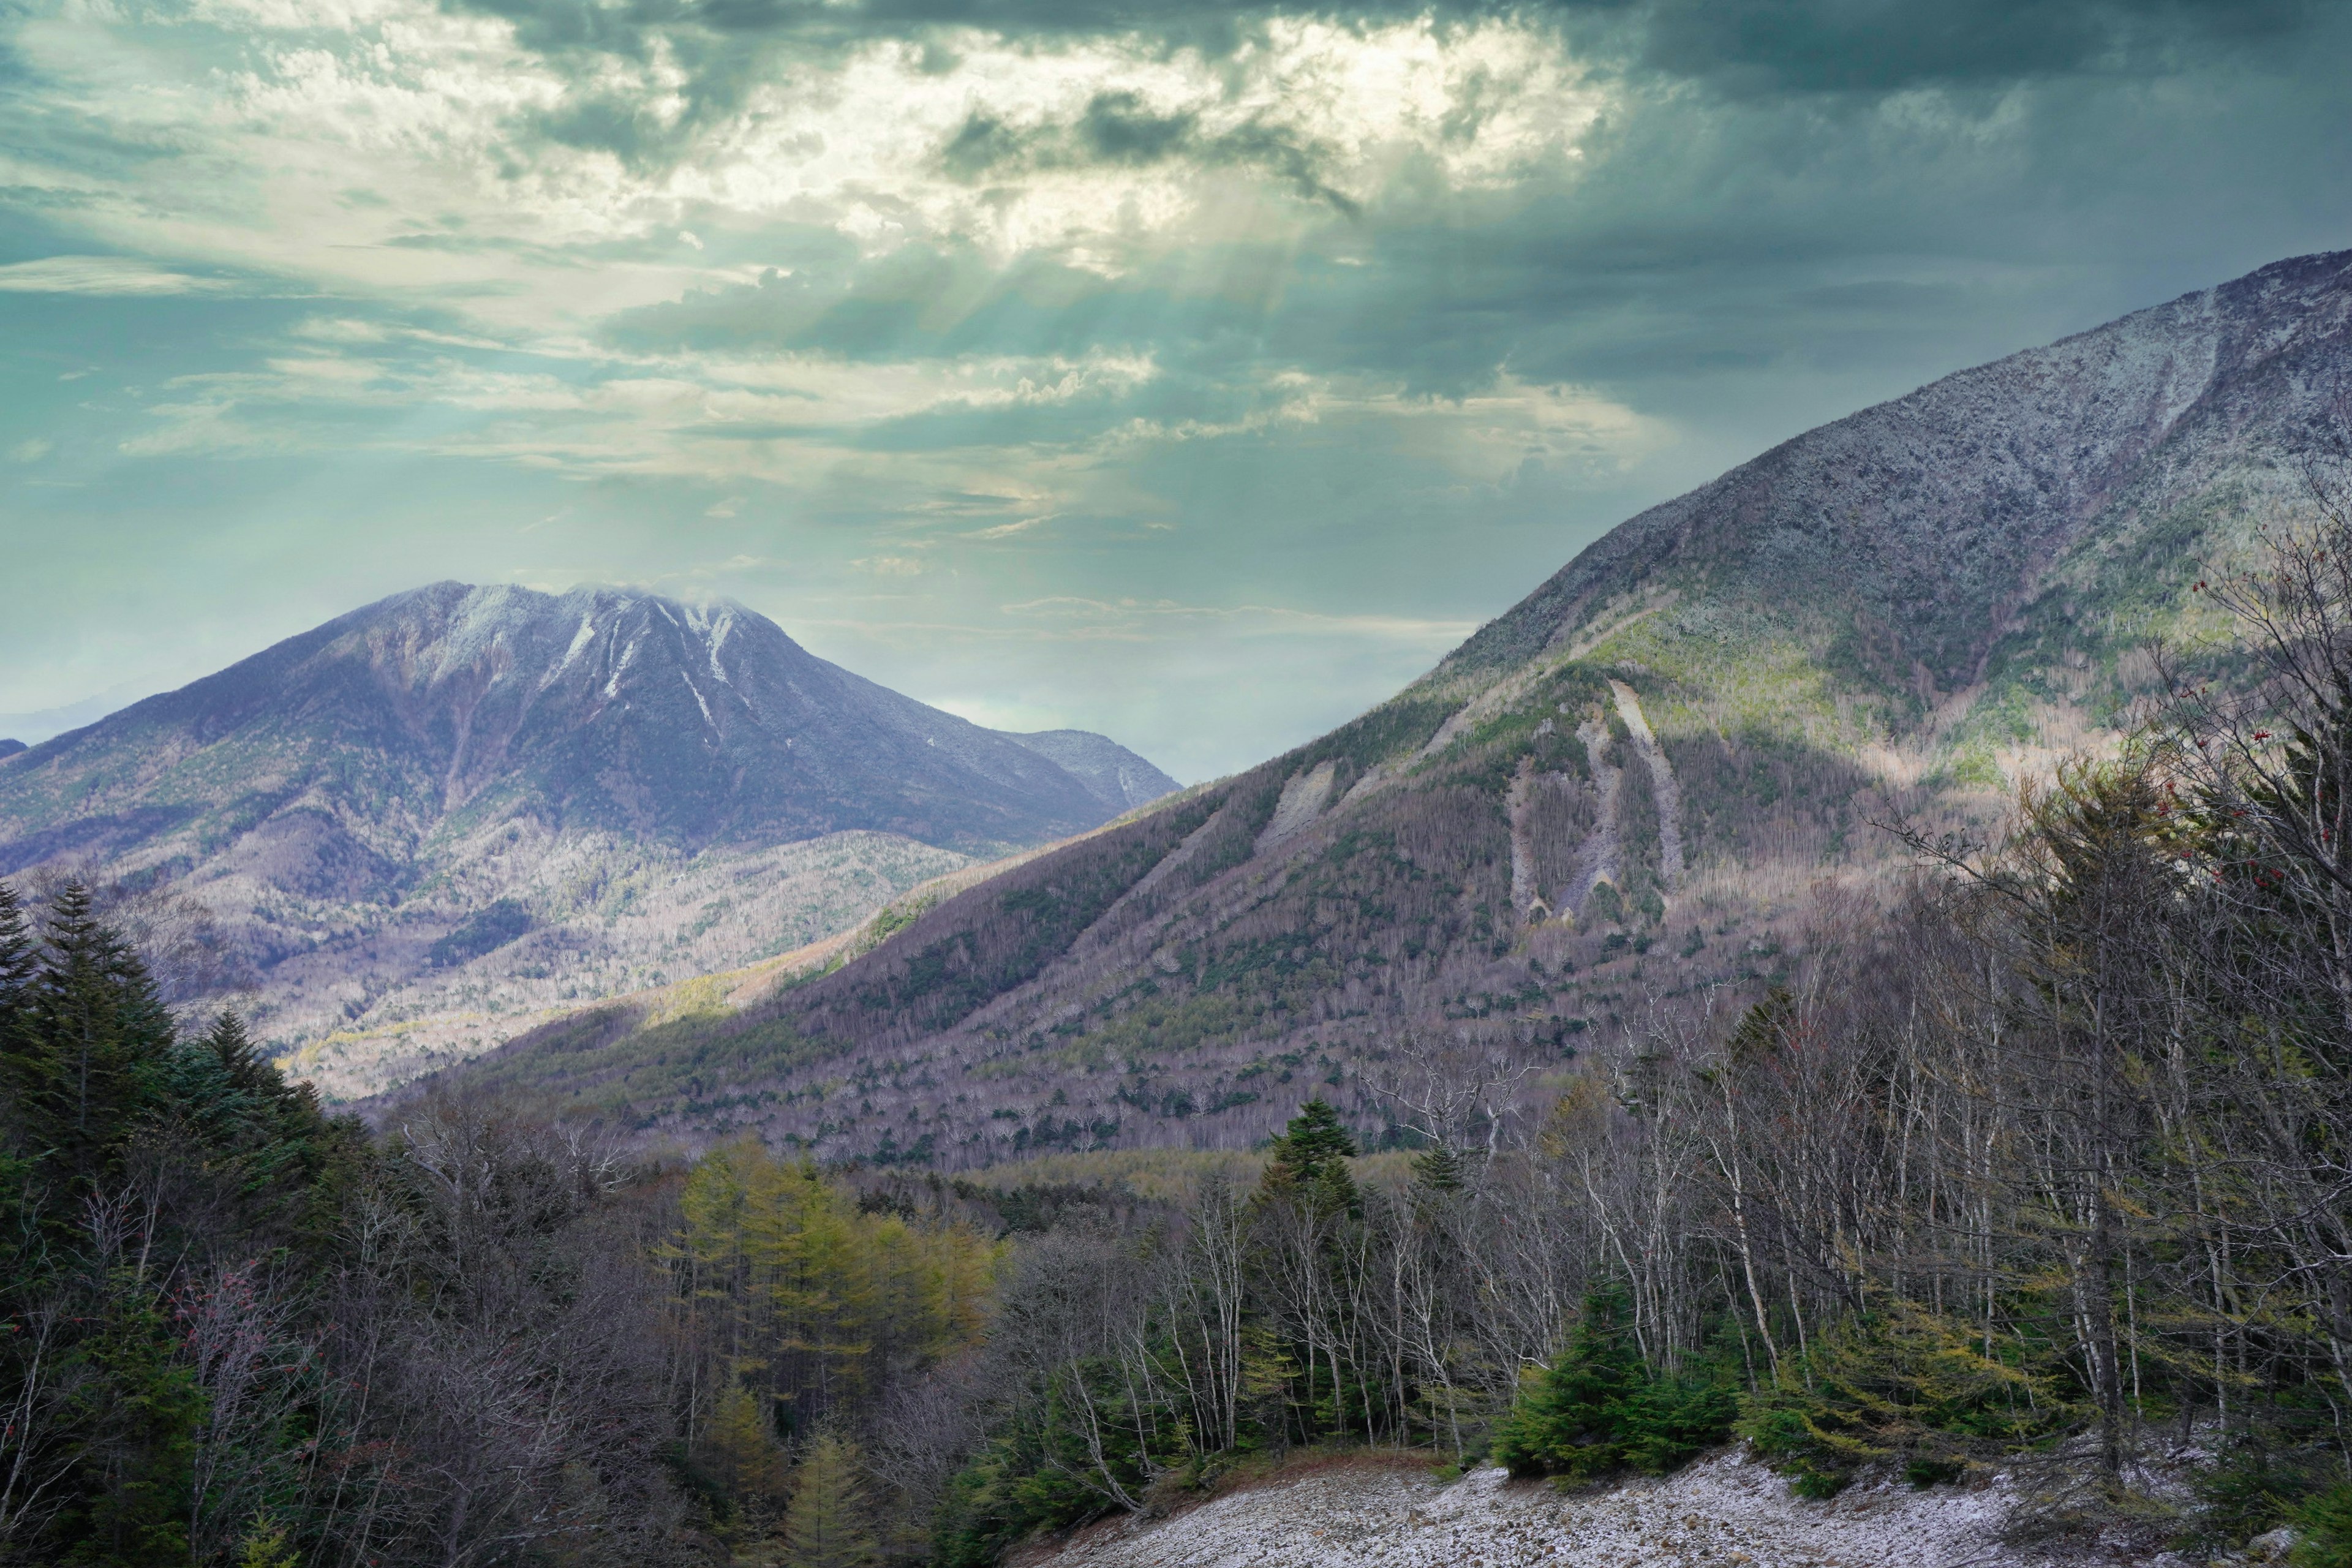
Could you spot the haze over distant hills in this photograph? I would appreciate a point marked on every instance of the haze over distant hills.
(1614, 798)
(460, 803)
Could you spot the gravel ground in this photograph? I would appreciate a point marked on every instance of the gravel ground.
(1725, 1512)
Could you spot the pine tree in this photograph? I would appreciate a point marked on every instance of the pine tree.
(1438, 1169)
(1310, 1159)
(20, 957)
(20, 963)
(830, 1524)
(96, 1032)
(1567, 1415)
(266, 1546)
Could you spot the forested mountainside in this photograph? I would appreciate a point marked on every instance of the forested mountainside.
(1607, 804)
(422, 823)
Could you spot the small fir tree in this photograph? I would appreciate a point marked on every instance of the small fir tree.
(1439, 1168)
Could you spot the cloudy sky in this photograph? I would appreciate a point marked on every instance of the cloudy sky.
(1197, 373)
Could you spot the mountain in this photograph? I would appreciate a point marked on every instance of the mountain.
(461, 802)
(1616, 801)
(1119, 779)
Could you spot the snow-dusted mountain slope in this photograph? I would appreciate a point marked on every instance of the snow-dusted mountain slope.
(685, 723)
(462, 800)
(1929, 539)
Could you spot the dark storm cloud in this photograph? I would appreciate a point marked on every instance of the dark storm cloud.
(1816, 43)
(1883, 45)
(1119, 130)
(1739, 46)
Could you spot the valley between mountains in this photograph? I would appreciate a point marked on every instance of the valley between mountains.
(1611, 807)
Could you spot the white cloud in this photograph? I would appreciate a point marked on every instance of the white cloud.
(389, 146)
(112, 275)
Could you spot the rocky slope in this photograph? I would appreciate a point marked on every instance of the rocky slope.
(1615, 799)
(1721, 1513)
(460, 807)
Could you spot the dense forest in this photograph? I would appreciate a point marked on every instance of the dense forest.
(2047, 1164)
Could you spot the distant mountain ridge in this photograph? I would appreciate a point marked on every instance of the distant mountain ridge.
(352, 795)
(1615, 798)
(695, 723)
(1115, 776)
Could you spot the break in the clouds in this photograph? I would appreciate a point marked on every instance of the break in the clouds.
(1195, 373)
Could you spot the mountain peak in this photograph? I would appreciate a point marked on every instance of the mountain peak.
(1925, 524)
(692, 721)
(351, 801)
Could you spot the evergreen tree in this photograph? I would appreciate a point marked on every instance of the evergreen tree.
(1439, 1168)
(263, 1145)
(740, 1453)
(1309, 1160)
(1600, 1408)
(84, 1061)
(19, 962)
(20, 958)
(266, 1546)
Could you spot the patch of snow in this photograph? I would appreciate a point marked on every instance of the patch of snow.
(699, 703)
(580, 641)
(612, 687)
(718, 630)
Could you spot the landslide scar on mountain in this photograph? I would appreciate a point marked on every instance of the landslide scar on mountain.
(1524, 898)
(1661, 784)
(1303, 795)
(1601, 858)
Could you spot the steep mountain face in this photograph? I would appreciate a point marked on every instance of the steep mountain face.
(462, 800)
(2043, 510)
(1614, 800)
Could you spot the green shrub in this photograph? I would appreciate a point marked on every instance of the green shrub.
(1908, 1386)
(2326, 1523)
(1600, 1407)
(2255, 1485)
